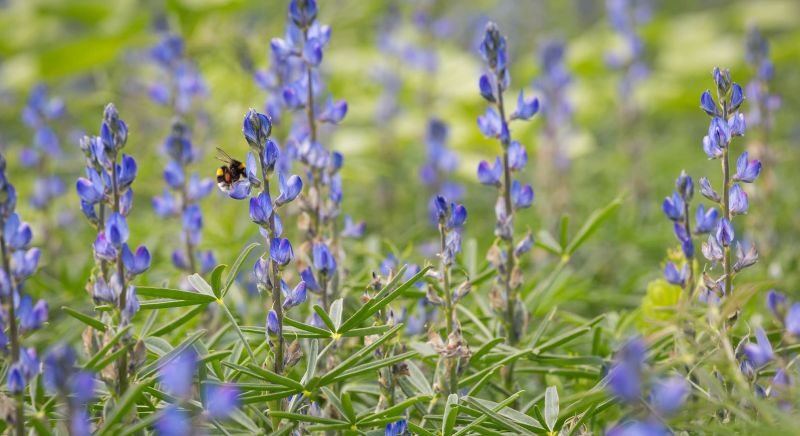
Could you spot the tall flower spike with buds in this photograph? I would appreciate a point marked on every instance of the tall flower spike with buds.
(321, 206)
(677, 208)
(181, 199)
(40, 114)
(263, 210)
(106, 200)
(727, 122)
(451, 218)
(179, 83)
(512, 196)
(18, 261)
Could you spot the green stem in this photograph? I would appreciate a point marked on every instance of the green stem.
(448, 307)
(726, 211)
(122, 362)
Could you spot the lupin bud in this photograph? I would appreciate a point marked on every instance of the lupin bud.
(722, 78)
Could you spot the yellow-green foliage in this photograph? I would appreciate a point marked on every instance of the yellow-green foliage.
(659, 302)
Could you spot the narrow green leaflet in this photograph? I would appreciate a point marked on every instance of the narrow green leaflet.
(201, 285)
(450, 415)
(237, 265)
(174, 294)
(592, 224)
(86, 319)
(551, 407)
(125, 405)
(379, 302)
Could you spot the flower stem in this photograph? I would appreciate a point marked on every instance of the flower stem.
(687, 225)
(184, 205)
(122, 362)
(14, 333)
(509, 291)
(452, 378)
(276, 274)
(726, 210)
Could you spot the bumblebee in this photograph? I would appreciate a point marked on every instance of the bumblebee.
(231, 172)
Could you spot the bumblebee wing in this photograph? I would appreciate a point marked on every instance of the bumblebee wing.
(223, 156)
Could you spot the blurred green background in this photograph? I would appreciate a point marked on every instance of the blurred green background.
(90, 52)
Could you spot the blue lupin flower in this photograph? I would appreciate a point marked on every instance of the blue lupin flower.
(293, 297)
(289, 189)
(624, 377)
(251, 170)
(126, 171)
(667, 396)
(490, 175)
(17, 233)
(707, 103)
(792, 320)
(15, 381)
(270, 156)
(117, 230)
(303, 12)
(705, 221)
(173, 175)
(724, 232)
(307, 276)
(272, 322)
(776, 302)
(486, 88)
(707, 191)
(260, 209)
(31, 317)
(240, 190)
(738, 201)
(712, 249)
(526, 109)
(256, 128)
(490, 124)
(323, 259)
(177, 376)
(334, 112)
(135, 263)
(737, 125)
(458, 216)
(103, 248)
(174, 421)
(24, 263)
(747, 170)
(675, 276)
(761, 352)
(165, 205)
(521, 196)
(281, 251)
(352, 229)
(91, 190)
(397, 428)
(673, 207)
(517, 156)
(222, 400)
